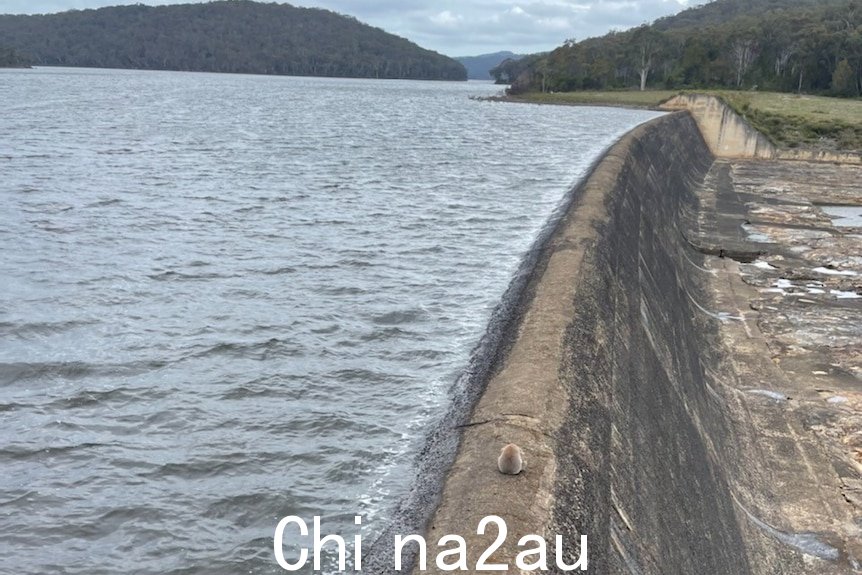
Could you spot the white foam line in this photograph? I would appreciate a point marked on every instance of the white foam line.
(845, 294)
(703, 269)
(830, 272)
(805, 542)
(721, 315)
(763, 265)
(777, 396)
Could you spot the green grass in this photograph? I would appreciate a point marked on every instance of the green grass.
(789, 120)
(794, 121)
(649, 99)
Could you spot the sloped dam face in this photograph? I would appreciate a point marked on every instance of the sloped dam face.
(636, 380)
(642, 454)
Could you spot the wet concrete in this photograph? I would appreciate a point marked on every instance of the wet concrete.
(682, 370)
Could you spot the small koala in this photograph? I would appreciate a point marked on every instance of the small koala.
(511, 460)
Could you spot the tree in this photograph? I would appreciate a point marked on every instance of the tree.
(510, 70)
(781, 44)
(543, 68)
(782, 58)
(743, 51)
(647, 44)
(223, 36)
(844, 79)
(10, 58)
(854, 52)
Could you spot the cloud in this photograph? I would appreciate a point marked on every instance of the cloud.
(468, 27)
(458, 27)
(446, 19)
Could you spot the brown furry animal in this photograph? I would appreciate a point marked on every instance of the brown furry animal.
(511, 460)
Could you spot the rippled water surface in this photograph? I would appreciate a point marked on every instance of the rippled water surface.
(227, 299)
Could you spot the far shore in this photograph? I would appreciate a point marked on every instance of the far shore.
(789, 120)
(621, 99)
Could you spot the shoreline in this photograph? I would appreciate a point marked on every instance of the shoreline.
(270, 75)
(518, 100)
(441, 446)
(559, 386)
(798, 126)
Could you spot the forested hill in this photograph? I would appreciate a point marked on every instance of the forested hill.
(225, 36)
(479, 67)
(10, 58)
(783, 45)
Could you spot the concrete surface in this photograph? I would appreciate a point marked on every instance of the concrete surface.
(726, 134)
(682, 369)
(730, 136)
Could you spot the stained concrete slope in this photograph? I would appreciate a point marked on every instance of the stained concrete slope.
(801, 289)
(726, 134)
(730, 136)
(641, 384)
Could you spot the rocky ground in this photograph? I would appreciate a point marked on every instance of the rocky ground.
(792, 236)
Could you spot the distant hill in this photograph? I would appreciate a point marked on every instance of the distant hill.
(479, 67)
(781, 45)
(225, 36)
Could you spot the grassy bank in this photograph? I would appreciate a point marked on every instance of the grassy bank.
(789, 120)
(628, 99)
(792, 121)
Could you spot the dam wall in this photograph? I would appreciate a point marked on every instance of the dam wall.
(656, 455)
(726, 134)
(730, 136)
(641, 454)
(616, 382)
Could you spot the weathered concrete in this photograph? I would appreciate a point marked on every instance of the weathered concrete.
(806, 289)
(664, 411)
(729, 136)
(726, 134)
(677, 456)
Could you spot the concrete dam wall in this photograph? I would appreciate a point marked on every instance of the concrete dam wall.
(730, 136)
(617, 382)
(641, 454)
(725, 133)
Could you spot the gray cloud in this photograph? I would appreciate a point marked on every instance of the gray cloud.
(457, 27)
(464, 27)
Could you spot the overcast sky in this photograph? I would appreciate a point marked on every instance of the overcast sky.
(456, 27)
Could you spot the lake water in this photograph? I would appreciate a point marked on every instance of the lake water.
(226, 299)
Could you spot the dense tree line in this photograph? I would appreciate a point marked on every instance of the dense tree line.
(11, 58)
(783, 45)
(225, 36)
